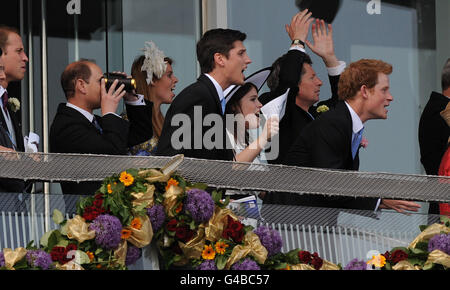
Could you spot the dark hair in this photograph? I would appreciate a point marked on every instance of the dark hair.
(4, 33)
(216, 41)
(233, 104)
(445, 78)
(237, 96)
(76, 70)
(1, 51)
(274, 78)
(141, 76)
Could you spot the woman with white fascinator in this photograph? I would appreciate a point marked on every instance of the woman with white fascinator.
(156, 81)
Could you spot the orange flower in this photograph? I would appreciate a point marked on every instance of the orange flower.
(90, 255)
(378, 261)
(221, 247)
(126, 178)
(179, 208)
(125, 234)
(170, 183)
(208, 253)
(109, 189)
(136, 223)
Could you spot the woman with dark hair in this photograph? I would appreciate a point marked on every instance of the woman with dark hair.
(156, 81)
(243, 104)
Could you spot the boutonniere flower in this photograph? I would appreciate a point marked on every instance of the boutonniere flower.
(322, 109)
(364, 142)
(14, 104)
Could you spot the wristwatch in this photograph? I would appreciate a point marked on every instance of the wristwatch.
(298, 42)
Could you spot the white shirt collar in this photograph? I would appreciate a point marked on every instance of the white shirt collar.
(218, 87)
(85, 113)
(357, 124)
(2, 91)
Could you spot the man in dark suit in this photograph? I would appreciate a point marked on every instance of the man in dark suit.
(75, 129)
(187, 129)
(294, 71)
(434, 131)
(333, 140)
(14, 61)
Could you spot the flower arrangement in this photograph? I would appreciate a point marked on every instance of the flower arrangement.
(322, 109)
(191, 228)
(13, 104)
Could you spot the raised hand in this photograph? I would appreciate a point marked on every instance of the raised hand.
(271, 128)
(110, 100)
(299, 27)
(322, 44)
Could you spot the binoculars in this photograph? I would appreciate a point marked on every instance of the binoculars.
(109, 78)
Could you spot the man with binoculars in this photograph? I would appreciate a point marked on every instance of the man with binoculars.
(75, 128)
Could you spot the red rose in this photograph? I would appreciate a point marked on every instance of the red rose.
(317, 263)
(304, 257)
(98, 196)
(57, 253)
(98, 203)
(238, 236)
(397, 256)
(227, 233)
(172, 225)
(184, 233)
(234, 225)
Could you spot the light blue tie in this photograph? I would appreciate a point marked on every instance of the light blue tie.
(223, 102)
(356, 142)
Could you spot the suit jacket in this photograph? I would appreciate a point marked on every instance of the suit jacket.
(326, 143)
(295, 118)
(71, 132)
(202, 95)
(11, 185)
(433, 133)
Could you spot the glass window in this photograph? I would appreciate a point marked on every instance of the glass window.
(411, 35)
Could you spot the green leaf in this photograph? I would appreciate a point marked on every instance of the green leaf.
(57, 217)
(221, 262)
(62, 243)
(53, 239)
(45, 238)
(423, 227)
(132, 171)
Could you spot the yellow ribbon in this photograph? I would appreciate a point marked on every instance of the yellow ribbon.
(217, 223)
(120, 254)
(143, 236)
(438, 257)
(78, 229)
(144, 197)
(428, 233)
(170, 199)
(252, 246)
(193, 249)
(301, 267)
(327, 265)
(71, 265)
(405, 265)
(12, 257)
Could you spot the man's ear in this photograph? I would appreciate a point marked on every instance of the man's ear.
(219, 59)
(80, 85)
(364, 90)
